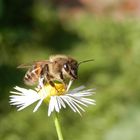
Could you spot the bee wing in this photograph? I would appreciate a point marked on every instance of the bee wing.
(24, 66)
(42, 62)
(39, 63)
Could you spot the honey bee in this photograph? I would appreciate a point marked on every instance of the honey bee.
(57, 68)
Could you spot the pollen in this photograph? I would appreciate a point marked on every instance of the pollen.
(47, 91)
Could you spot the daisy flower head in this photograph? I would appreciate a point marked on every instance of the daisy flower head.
(57, 97)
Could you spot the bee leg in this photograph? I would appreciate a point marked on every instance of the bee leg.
(53, 85)
(45, 81)
(63, 80)
(64, 83)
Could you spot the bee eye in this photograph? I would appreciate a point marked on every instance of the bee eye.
(66, 67)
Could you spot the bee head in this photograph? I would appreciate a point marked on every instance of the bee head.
(71, 68)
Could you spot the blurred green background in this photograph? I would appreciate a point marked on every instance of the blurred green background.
(107, 31)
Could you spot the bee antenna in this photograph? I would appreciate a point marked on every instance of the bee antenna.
(85, 61)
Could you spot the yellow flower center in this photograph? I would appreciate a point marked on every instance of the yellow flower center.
(47, 91)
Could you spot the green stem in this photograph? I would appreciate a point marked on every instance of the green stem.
(58, 127)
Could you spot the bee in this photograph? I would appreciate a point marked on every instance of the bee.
(57, 68)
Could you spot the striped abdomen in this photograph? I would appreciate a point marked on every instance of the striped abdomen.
(32, 75)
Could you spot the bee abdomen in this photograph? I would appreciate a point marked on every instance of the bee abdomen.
(29, 80)
(31, 77)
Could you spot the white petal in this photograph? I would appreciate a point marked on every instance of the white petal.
(78, 106)
(56, 104)
(38, 105)
(51, 106)
(78, 100)
(77, 97)
(22, 107)
(13, 92)
(73, 104)
(58, 101)
(67, 101)
(82, 93)
(76, 90)
(88, 101)
(23, 97)
(61, 101)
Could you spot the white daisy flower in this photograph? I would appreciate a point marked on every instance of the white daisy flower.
(56, 99)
